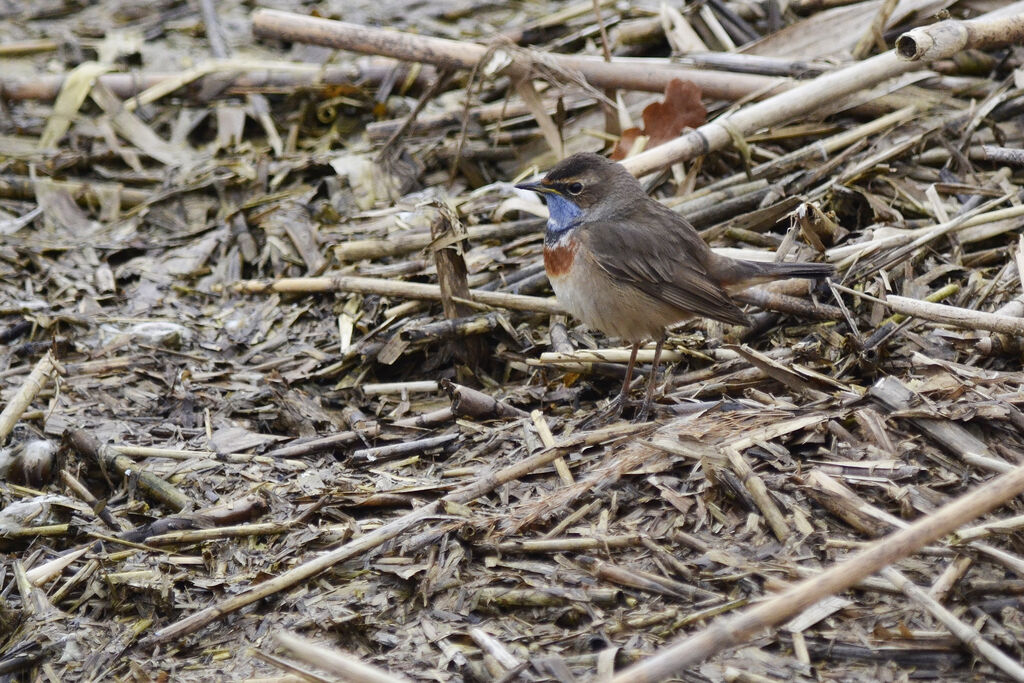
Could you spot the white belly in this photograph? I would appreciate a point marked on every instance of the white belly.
(618, 311)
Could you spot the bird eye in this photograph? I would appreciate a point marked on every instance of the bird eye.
(576, 188)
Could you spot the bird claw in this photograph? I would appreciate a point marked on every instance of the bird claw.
(610, 413)
(642, 413)
(613, 411)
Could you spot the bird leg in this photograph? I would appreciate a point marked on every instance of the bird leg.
(645, 408)
(614, 408)
(620, 402)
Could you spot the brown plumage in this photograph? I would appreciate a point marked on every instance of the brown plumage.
(629, 266)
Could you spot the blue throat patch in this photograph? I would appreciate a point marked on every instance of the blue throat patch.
(564, 215)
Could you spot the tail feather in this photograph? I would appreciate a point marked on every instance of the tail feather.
(735, 274)
(808, 270)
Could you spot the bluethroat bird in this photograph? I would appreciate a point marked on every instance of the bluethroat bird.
(629, 266)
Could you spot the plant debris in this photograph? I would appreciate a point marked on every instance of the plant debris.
(286, 394)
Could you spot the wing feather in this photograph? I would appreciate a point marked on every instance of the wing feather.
(668, 263)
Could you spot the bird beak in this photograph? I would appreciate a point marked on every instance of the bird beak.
(535, 187)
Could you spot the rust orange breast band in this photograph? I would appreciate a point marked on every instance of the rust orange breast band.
(558, 259)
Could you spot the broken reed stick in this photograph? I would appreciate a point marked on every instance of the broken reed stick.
(967, 634)
(909, 241)
(605, 356)
(108, 459)
(371, 456)
(759, 492)
(955, 316)
(1003, 155)
(731, 631)
(397, 288)
(307, 570)
(496, 649)
(793, 103)
(946, 38)
(28, 390)
(449, 245)
(963, 318)
(356, 250)
(818, 148)
(262, 76)
(895, 396)
(344, 665)
(548, 439)
(385, 388)
(631, 74)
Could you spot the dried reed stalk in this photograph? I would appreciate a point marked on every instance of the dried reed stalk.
(947, 38)
(411, 290)
(636, 74)
(732, 631)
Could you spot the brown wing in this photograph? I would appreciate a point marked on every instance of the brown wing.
(665, 263)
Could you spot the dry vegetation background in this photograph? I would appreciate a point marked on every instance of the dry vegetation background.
(242, 416)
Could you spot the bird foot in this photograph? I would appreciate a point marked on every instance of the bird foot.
(642, 413)
(613, 411)
(610, 413)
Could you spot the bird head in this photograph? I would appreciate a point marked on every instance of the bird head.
(584, 184)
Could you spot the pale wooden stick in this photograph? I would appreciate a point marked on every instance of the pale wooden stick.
(250, 75)
(355, 250)
(797, 101)
(573, 544)
(494, 648)
(606, 356)
(635, 74)
(42, 573)
(548, 439)
(759, 492)
(1002, 526)
(341, 664)
(29, 389)
(965, 632)
(410, 290)
(950, 315)
(946, 38)
(1003, 155)
(950, 577)
(957, 317)
(384, 388)
(728, 632)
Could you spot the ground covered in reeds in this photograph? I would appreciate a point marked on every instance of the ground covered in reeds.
(285, 391)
